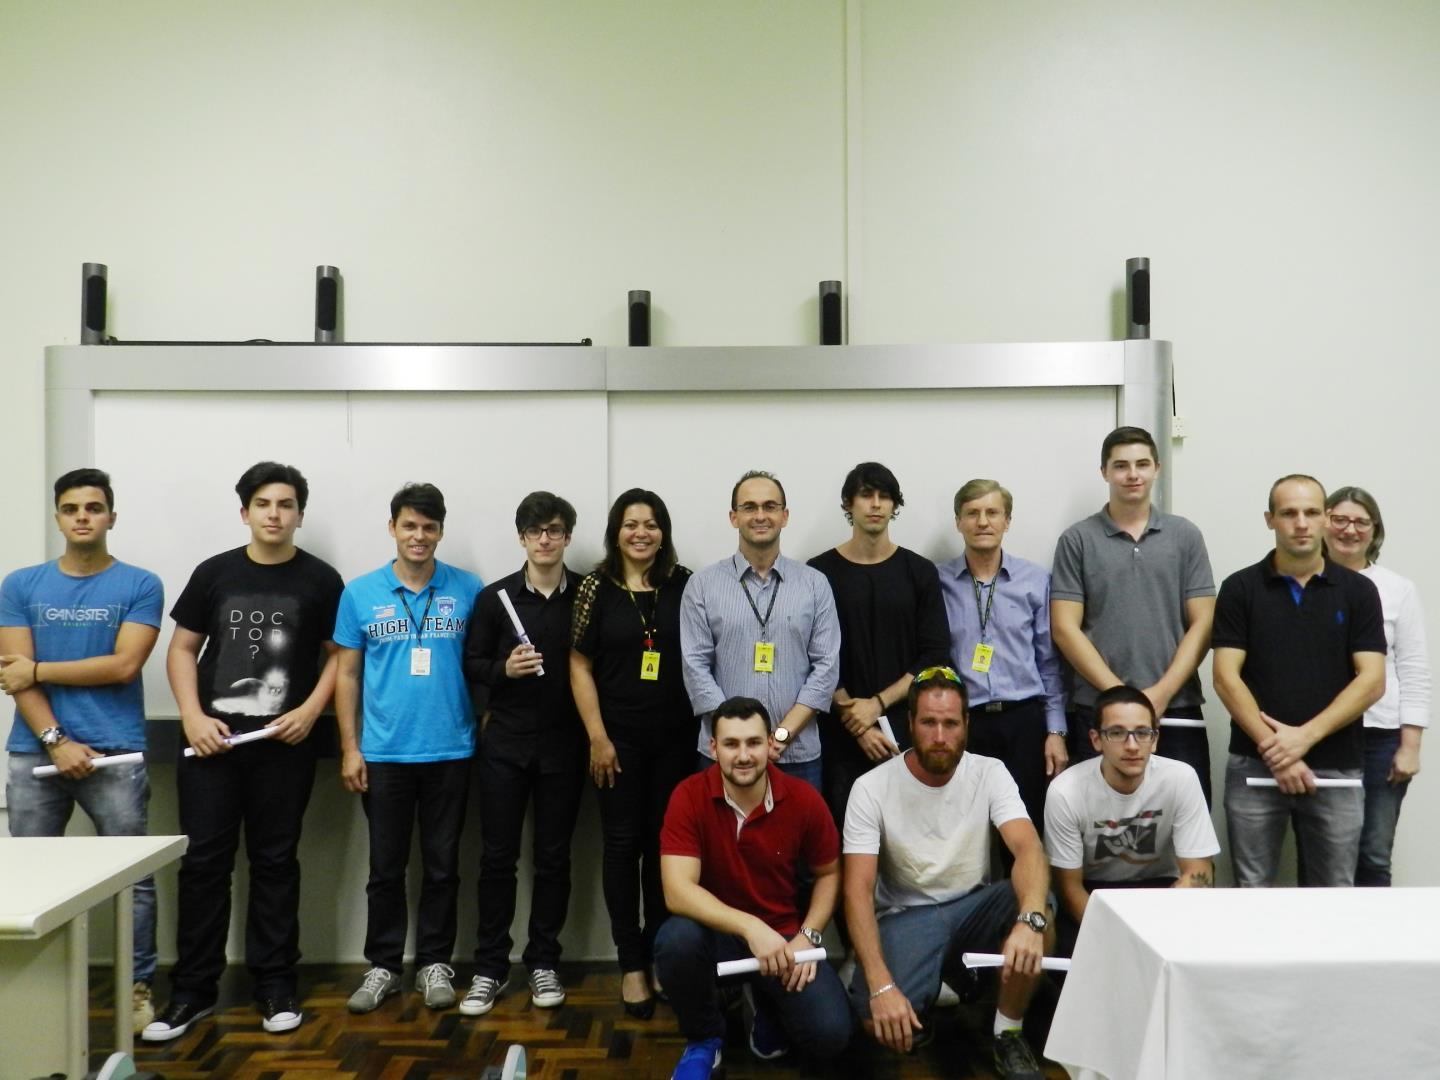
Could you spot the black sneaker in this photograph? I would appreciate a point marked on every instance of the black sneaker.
(174, 1021)
(1014, 1059)
(281, 1014)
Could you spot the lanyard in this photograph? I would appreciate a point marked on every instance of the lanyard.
(428, 601)
(989, 603)
(766, 620)
(650, 631)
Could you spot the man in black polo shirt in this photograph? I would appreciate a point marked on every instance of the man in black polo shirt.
(1299, 656)
(532, 749)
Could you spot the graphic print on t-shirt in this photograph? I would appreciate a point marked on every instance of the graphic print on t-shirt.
(255, 651)
(1130, 840)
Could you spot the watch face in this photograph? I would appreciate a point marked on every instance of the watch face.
(782, 735)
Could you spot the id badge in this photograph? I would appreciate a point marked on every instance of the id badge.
(650, 665)
(419, 661)
(981, 660)
(765, 656)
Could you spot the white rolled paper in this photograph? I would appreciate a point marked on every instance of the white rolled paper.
(1320, 781)
(886, 729)
(995, 959)
(98, 762)
(1180, 721)
(749, 964)
(242, 738)
(515, 622)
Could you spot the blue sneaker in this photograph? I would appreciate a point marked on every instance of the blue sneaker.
(767, 1037)
(699, 1061)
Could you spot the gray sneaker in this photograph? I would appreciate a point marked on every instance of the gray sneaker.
(484, 992)
(377, 985)
(546, 990)
(433, 980)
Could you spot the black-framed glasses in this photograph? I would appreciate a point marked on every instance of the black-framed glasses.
(750, 509)
(1144, 736)
(937, 672)
(554, 532)
(1344, 521)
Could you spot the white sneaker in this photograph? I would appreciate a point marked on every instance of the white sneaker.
(433, 980)
(484, 992)
(545, 989)
(379, 983)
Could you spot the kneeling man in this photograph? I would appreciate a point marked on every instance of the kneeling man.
(1125, 820)
(917, 849)
(731, 853)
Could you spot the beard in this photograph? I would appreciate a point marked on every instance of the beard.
(939, 761)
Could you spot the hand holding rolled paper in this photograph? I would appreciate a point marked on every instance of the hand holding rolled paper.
(102, 762)
(517, 625)
(242, 738)
(987, 959)
(1320, 781)
(744, 967)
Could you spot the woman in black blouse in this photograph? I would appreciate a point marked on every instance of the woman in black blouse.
(626, 676)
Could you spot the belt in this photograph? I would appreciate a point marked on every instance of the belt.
(1003, 706)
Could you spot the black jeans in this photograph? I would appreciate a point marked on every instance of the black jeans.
(631, 814)
(1017, 737)
(432, 793)
(1190, 745)
(264, 787)
(508, 786)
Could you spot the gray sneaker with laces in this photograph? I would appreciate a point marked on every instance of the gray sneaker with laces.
(433, 980)
(483, 993)
(546, 990)
(377, 985)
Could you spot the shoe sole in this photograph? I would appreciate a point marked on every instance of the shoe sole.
(293, 1021)
(550, 1002)
(170, 1033)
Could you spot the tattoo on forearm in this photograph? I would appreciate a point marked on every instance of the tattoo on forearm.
(1201, 880)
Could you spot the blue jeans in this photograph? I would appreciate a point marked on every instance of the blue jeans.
(117, 801)
(816, 1018)
(1327, 827)
(1382, 807)
(812, 771)
(917, 941)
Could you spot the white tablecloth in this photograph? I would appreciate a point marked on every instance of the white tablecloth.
(1223, 984)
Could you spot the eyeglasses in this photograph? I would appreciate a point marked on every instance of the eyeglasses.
(1343, 522)
(1143, 736)
(937, 673)
(751, 509)
(554, 532)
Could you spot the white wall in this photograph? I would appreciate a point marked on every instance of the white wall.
(507, 172)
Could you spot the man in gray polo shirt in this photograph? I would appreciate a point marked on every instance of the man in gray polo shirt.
(1132, 599)
(760, 625)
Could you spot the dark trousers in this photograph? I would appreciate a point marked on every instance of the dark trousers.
(1190, 745)
(263, 787)
(817, 1019)
(432, 793)
(508, 785)
(631, 814)
(1017, 737)
(1067, 929)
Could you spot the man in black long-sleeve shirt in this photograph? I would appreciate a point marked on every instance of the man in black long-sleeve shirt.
(532, 749)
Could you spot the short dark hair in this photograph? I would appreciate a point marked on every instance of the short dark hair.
(756, 474)
(96, 478)
(424, 499)
(272, 472)
(934, 679)
(612, 565)
(1294, 476)
(1122, 695)
(1351, 493)
(541, 508)
(739, 708)
(1125, 436)
(872, 476)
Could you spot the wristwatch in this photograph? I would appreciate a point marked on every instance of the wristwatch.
(51, 737)
(812, 936)
(1034, 919)
(782, 734)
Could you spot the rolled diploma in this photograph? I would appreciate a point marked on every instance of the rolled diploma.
(1320, 781)
(242, 738)
(886, 729)
(749, 964)
(994, 959)
(1180, 721)
(515, 622)
(98, 762)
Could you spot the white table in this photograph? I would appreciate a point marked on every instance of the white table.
(47, 888)
(1184, 984)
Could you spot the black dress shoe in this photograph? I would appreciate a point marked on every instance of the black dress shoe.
(643, 1009)
(175, 1021)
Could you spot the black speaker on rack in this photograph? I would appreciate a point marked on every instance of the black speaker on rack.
(1137, 298)
(831, 314)
(328, 311)
(638, 305)
(94, 279)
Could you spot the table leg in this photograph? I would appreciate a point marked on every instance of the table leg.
(77, 998)
(124, 968)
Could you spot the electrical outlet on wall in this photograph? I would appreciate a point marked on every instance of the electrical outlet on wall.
(1178, 427)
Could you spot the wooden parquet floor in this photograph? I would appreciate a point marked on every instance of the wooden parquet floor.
(589, 1036)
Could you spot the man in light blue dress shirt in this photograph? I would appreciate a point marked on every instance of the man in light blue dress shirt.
(998, 605)
(760, 625)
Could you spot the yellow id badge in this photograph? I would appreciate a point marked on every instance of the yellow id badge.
(981, 661)
(650, 665)
(765, 656)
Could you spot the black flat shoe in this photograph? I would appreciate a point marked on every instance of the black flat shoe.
(640, 1010)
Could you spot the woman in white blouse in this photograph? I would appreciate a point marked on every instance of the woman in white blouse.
(1355, 532)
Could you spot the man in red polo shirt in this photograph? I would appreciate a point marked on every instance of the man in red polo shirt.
(731, 851)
